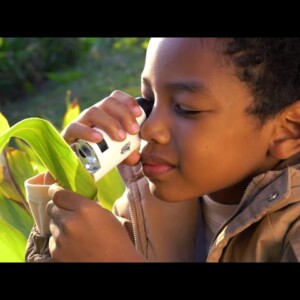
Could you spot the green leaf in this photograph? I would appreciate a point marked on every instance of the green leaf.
(15, 216)
(12, 243)
(110, 188)
(20, 167)
(7, 187)
(31, 156)
(55, 154)
(3, 123)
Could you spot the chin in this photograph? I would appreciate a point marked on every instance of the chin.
(165, 194)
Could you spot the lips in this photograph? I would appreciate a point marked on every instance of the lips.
(155, 166)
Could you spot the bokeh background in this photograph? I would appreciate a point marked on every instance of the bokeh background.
(37, 75)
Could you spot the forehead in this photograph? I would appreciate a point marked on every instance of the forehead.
(178, 62)
(164, 48)
(177, 57)
(169, 43)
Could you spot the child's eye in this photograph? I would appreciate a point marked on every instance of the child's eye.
(184, 111)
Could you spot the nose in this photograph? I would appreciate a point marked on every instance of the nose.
(156, 127)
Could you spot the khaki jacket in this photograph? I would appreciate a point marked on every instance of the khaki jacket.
(264, 228)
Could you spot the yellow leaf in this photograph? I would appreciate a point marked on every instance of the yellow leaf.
(3, 123)
(73, 110)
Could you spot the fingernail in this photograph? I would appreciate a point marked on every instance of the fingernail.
(135, 127)
(96, 135)
(137, 110)
(121, 134)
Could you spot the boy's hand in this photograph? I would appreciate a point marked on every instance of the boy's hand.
(116, 115)
(83, 231)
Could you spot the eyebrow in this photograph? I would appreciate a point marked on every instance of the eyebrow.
(188, 86)
(192, 86)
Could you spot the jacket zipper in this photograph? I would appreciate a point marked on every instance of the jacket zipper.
(134, 225)
(241, 204)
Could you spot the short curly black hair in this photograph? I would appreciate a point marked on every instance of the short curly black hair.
(271, 68)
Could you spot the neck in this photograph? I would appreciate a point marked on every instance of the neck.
(234, 194)
(231, 195)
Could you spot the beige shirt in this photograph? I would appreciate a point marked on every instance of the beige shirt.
(215, 214)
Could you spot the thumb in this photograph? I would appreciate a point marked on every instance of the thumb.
(66, 199)
(55, 187)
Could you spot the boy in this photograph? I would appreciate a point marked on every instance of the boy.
(218, 178)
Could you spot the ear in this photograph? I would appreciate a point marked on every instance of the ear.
(286, 138)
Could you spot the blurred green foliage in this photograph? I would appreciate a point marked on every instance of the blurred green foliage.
(25, 61)
(104, 64)
(130, 43)
(114, 43)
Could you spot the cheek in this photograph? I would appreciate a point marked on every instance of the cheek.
(220, 158)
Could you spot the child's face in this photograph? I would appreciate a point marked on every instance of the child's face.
(200, 138)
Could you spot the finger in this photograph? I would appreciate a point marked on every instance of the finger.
(55, 213)
(108, 121)
(53, 189)
(129, 101)
(76, 130)
(125, 112)
(57, 194)
(81, 127)
(66, 199)
(115, 115)
(94, 116)
(55, 229)
(53, 249)
(132, 159)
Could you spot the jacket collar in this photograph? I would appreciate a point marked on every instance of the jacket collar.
(266, 193)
